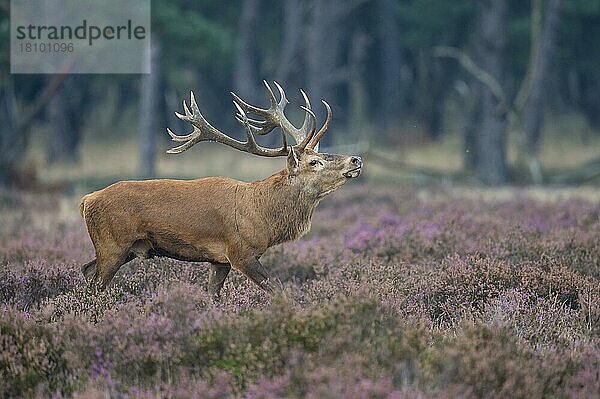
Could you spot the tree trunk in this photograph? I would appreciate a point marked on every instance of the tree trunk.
(150, 109)
(358, 118)
(62, 139)
(390, 58)
(472, 123)
(431, 88)
(590, 98)
(290, 67)
(539, 81)
(320, 60)
(245, 73)
(322, 53)
(12, 146)
(491, 142)
(64, 136)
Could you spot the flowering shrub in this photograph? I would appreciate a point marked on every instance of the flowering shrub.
(31, 356)
(396, 293)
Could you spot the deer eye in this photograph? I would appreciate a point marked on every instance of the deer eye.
(315, 162)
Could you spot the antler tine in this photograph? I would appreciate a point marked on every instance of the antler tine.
(305, 125)
(188, 114)
(311, 115)
(198, 122)
(249, 107)
(188, 117)
(244, 120)
(204, 131)
(314, 142)
(250, 130)
(272, 98)
(283, 100)
(266, 125)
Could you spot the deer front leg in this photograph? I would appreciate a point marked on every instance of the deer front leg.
(216, 278)
(256, 272)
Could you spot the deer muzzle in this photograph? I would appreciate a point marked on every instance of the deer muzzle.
(356, 164)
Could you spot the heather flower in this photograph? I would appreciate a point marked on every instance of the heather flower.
(394, 293)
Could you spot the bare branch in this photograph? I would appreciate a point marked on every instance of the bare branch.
(484, 77)
(536, 33)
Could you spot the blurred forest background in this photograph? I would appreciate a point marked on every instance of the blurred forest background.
(486, 92)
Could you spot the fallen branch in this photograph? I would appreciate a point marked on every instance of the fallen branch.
(391, 163)
(586, 173)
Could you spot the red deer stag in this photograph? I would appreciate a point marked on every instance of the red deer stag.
(226, 222)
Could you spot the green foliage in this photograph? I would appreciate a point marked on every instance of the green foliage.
(491, 363)
(199, 40)
(195, 33)
(427, 23)
(579, 48)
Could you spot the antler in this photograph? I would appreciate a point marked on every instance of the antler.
(274, 117)
(204, 131)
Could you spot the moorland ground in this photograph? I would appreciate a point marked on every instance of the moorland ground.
(396, 292)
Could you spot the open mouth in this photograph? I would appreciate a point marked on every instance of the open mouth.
(353, 173)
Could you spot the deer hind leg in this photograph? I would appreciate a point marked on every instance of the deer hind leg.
(141, 248)
(216, 278)
(89, 270)
(256, 272)
(107, 267)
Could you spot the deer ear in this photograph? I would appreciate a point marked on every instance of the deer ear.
(292, 161)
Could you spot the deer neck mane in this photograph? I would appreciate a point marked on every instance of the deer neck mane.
(285, 205)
